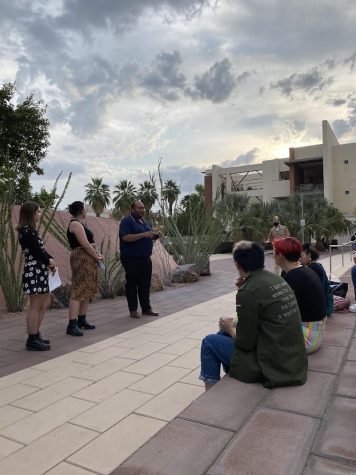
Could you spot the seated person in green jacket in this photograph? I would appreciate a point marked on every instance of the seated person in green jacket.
(267, 344)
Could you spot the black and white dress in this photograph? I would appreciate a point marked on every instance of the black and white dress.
(35, 272)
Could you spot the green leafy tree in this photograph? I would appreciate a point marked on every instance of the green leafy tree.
(170, 193)
(24, 135)
(124, 195)
(46, 199)
(97, 195)
(147, 193)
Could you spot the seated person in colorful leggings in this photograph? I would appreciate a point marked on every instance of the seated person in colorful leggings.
(267, 344)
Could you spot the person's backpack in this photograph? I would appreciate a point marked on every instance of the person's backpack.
(340, 303)
(339, 288)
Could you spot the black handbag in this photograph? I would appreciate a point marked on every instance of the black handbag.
(339, 288)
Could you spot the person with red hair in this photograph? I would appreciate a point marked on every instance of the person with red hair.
(307, 288)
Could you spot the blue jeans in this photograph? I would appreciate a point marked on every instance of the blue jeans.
(216, 350)
(353, 276)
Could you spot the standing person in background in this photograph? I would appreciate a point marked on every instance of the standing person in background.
(83, 262)
(277, 231)
(136, 244)
(35, 274)
(353, 273)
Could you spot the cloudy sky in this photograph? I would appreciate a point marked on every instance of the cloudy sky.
(195, 82)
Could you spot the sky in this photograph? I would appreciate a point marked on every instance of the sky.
(190, 82)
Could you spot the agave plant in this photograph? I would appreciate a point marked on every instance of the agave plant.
(112, 276)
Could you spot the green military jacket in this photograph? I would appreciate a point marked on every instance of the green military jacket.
(269, 343)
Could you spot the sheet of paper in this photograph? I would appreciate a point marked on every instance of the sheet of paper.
(54, 280)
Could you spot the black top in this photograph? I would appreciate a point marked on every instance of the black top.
(309, 293)
(72, 239)
(32, 245)
(141, 249)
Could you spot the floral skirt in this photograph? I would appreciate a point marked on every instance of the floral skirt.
(313, 334)
(85, 278)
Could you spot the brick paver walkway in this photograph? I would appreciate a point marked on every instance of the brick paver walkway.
(91, 402)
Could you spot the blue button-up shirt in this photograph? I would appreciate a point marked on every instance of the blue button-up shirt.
(139, 249)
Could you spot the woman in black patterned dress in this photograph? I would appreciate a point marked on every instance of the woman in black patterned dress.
(35, 273)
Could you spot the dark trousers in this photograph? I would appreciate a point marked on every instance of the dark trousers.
(138, 282)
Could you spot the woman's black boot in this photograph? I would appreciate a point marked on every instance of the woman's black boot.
(34, 344)
(82, 323)
(72, 328)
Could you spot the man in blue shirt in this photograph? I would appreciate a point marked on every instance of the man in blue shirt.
(136, 243)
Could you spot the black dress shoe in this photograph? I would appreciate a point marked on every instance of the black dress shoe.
(72, 328)
(39, 336)
(134, 314)
(151, 313)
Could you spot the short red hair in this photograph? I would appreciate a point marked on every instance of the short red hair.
(289, 247)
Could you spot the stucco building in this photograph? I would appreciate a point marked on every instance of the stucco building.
(328, 168)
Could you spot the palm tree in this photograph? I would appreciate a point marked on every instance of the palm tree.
(148, 194)
(98, 195)
(124, 195)
(170, 193)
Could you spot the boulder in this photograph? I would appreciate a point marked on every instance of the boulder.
(156, 283)
(60, 296)
(185, 273)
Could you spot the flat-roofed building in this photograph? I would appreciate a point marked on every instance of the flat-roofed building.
(328, 168)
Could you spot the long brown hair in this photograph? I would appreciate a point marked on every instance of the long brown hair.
(27, 215)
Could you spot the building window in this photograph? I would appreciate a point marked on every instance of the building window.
(346, 162)
(347, 192)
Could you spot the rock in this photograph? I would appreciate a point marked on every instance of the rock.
(156, 283)
(60, 296)
(185, 273)
(204, 268)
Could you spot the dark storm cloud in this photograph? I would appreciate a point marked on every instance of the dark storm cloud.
(216, 84)
(244, 159)
(343, 126)
(312, 81)
(164, 79)
(337, 102)
(120, 15)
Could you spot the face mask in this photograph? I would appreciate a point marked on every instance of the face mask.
(276, 223)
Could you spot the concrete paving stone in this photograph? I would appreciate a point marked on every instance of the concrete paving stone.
(101, 345)
(110, 449)
(45, 397)
(8, 447)
(150, 364)
(109, 412)
(327, 359)
(171, 338)
(46, 452)
(338, 336)
(347, 380)
(184, 447)
(13, 393)
(190, 360)
(107, 387)
(56, 362)
(65, 468)
(337, 437)
(143, 350)
(264, 445)
(180, 347)
(351, 355)
(171, 402)
(36, 425)
(231, 412)
(10, 415)
(193, 378)
(310, 399)
(160, 380)
(102, 370)
(340, 320)
(99, 356)
(322, 466)
(17, 377)
(58, 374)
